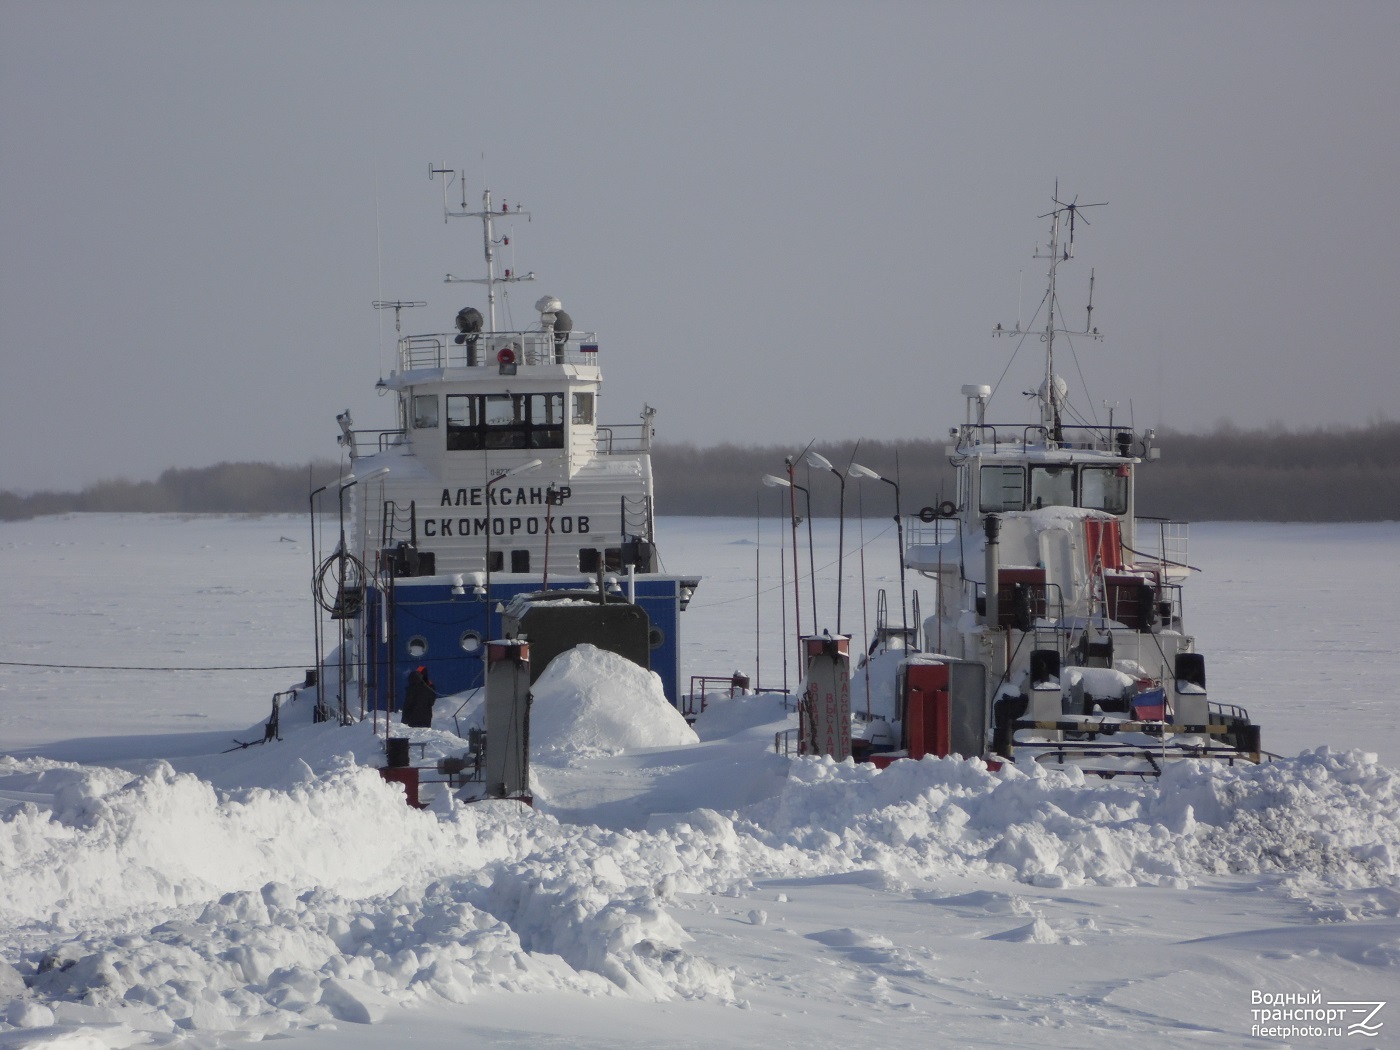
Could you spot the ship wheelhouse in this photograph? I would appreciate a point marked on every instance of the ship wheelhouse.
(498, 480)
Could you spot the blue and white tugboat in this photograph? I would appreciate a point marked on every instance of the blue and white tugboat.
(1059, 631)
(495, 480)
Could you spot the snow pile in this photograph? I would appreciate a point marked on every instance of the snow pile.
(270, 959)
(159, 903)
(114, 845)
(290, 886)
(588, 699)
(1332, 817)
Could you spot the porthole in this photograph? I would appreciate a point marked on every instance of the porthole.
(470, 643)
(656, 637)
(417, 646)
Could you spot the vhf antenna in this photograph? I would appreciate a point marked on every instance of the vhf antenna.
(1073, 208)
(398, 306)
(1060, 250)
(488, 214)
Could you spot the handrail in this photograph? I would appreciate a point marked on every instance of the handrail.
(732, 682)
(1103, 438)
(1173, 541)
(485, 350)
(381, 439)
(636, 437)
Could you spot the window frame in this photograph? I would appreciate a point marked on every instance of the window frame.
(1119, 480)
(418, 416)
(1052, 470)
(476, 422)
(1005, 469)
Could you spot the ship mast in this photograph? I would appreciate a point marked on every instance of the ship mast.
(1061, 249)
(487, 215)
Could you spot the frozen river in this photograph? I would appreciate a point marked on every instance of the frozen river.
(1298, 622)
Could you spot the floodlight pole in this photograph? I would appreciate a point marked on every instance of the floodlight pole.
(811, 557)
(773, 481)
(822, 463)
(858, 471)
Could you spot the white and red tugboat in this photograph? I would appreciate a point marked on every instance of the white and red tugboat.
(1059, 628)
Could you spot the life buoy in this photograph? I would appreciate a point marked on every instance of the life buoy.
(947, 508)
(927, 515)
(505, 356)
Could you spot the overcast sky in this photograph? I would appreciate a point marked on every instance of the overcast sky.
(784, 219)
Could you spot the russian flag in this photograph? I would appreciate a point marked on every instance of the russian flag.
(1150, 705)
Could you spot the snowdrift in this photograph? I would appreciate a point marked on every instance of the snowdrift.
(157, 902)
(589, 699)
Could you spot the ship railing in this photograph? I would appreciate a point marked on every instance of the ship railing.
(368, 442)
(1173, 608)
(932, 533)
(623, 439)
(707, 687)
(1018, 437)
(492, 349)
(1164, 541)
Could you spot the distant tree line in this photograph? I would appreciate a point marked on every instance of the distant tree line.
(1276, 475)
(728, 479)
(225, 488)
(1228, 475)
(1333, 474)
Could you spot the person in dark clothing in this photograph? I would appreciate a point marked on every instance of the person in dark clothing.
(418, 699)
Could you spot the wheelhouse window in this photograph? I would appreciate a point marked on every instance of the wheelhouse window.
(583, 409)
(1104, 488)
(1003, 488)
(492, 421)
(425, 411)
(1052, 487)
